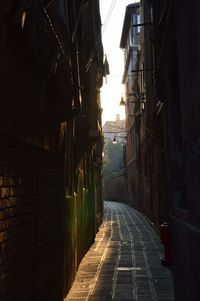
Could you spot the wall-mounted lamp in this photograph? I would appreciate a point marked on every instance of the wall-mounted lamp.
(140, 98)
(114, 140)
(122, 102)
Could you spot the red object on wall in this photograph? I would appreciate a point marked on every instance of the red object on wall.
(165, 237)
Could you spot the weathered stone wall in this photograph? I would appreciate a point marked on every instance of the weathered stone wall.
(31, 222)
(50, 191)
(177, 45)
(115, 189)
(186, 193)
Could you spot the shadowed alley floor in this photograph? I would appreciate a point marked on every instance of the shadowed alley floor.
(124, 262)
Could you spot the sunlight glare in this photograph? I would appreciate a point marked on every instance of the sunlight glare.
(112, 91)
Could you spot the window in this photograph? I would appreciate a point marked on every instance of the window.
(138, 22)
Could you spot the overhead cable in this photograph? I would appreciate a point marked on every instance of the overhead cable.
(108, 15)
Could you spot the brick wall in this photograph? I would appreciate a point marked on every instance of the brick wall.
(31, 244)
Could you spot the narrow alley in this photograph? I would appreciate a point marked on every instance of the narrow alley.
(124, 262)
(99, 100)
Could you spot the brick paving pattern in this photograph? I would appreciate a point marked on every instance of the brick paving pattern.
(124, 262)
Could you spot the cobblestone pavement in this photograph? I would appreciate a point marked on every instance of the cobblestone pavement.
(124, 262)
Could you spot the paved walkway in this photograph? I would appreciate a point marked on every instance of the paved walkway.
(124, 262)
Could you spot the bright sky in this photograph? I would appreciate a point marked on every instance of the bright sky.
(111, 35)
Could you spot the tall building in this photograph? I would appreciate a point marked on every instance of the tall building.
(50, 131)
(130, 44)
(164, 177)
(176, 48)
(146, 173)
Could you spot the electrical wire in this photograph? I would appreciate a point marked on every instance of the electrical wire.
(103, 30)
(54, 32)
(108, 15)
(108, 12)
(49, 3)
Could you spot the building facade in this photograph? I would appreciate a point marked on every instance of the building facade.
(130, 43)
(176, 44)
(114, 180)
(115, 130)
(145, 124)
(166, 173)
(50, 131)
